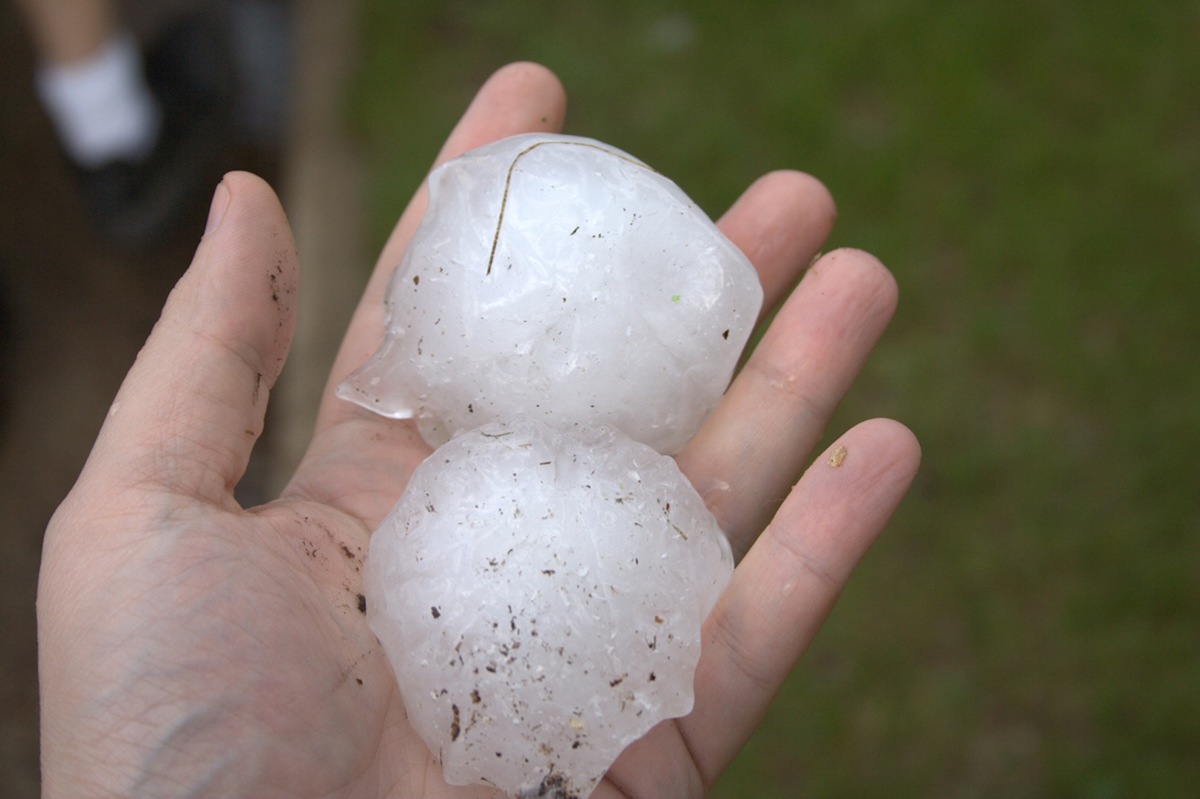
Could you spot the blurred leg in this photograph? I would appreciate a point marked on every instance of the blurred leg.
(91, 81)
(68, 31)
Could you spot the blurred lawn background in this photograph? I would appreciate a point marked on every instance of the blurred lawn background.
(1030, 624)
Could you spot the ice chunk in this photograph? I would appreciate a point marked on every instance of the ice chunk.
(558, 277)
(539, 592)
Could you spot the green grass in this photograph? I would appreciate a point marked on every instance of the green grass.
(1030, 624)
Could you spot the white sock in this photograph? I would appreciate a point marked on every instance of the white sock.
(102, 107)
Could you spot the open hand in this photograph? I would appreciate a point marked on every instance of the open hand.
(192, 647)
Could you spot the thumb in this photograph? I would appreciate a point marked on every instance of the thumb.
(192, 406)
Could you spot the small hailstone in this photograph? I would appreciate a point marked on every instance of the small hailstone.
(558, 277)
(539, 593)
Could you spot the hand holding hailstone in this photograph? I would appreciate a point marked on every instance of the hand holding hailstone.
(192, 647)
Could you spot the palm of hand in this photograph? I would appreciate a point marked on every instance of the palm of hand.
(187, 643)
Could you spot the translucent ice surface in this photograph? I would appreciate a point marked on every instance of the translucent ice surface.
(539, 593)
(560, 278)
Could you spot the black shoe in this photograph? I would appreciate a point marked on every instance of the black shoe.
(137, 204)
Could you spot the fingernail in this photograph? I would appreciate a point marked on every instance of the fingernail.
(216, 210)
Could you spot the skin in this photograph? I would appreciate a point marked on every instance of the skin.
(190, 647)
(67, 31)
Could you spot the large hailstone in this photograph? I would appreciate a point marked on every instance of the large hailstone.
(539, 593)
(557, 277)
